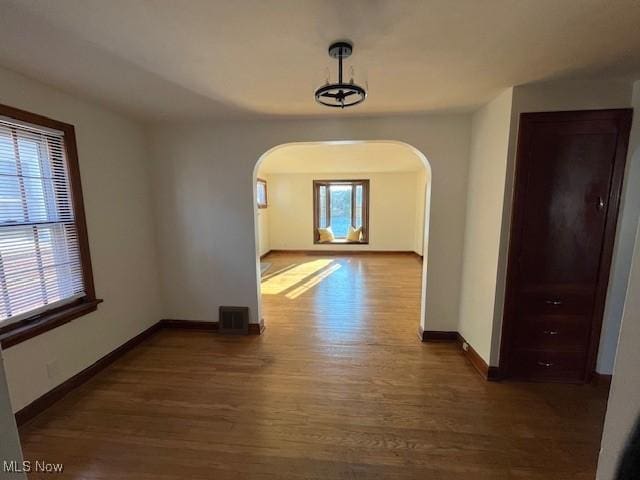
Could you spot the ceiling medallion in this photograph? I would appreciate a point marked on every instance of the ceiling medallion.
(341, 94)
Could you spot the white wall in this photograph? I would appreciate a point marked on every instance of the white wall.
(423, 197)
(487, 170)
(264, 243)
(623, 302)
(204, 176)
(115, 180)
(552, 96)
(623, 408)
(392, 211)
(623, 248)
(10, 449)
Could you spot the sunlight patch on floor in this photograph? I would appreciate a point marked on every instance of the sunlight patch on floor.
(278, 283)
(312, 282)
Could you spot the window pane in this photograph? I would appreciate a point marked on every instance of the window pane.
(36, 201)
(358, 206)
(11, 206)
(261, 193)
(340, 209)
(32, 179)
(20, 269)
(39, 265)
(29, 157)
(7, 156)
(322, 213)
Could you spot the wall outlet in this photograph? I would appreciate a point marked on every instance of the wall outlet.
(53, 370)
(465, 346)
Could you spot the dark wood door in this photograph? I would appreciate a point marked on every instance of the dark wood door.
(568, 181)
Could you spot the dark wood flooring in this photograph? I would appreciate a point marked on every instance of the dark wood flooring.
(338, 387)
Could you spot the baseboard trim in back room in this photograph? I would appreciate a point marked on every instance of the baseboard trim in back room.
(339, 252)
(49, 398)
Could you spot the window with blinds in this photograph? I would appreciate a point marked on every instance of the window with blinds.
(41, 264)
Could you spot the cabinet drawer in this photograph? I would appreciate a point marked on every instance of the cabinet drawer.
(555, 303)
(552, 332)
(548, 366)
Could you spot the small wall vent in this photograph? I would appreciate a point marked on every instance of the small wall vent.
(234, 320)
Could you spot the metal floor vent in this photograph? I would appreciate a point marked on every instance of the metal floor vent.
(234, 320)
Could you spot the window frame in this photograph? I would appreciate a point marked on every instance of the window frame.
(365, 209)
(266, 194)
(46, 319)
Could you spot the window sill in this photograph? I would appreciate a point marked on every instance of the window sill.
(24, 330)
(342, 241)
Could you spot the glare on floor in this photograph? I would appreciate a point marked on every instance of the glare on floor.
(281, 282)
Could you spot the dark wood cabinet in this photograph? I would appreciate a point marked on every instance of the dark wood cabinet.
(569, 172)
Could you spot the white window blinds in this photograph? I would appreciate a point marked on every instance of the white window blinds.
(40, 262)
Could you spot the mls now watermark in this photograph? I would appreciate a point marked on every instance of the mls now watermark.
(27, 466)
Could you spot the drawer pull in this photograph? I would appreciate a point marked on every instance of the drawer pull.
(553, 302)
(545, 364)
(551, 332)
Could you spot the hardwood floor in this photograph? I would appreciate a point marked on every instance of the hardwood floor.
(338, 387)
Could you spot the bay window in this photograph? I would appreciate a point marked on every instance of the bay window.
(341, 211)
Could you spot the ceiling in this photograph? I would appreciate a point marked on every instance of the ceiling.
(168, 59)
(341, 157)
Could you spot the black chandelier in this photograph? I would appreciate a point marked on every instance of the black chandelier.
(341, 94)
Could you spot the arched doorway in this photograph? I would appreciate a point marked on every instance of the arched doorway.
(389, 157)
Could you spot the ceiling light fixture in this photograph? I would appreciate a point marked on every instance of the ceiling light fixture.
(341, 94)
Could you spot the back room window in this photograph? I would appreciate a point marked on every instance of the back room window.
(342, 206)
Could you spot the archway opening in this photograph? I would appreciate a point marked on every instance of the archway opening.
(374, 198)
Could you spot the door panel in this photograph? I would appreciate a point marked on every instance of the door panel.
(568, 182)
(563, 221)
